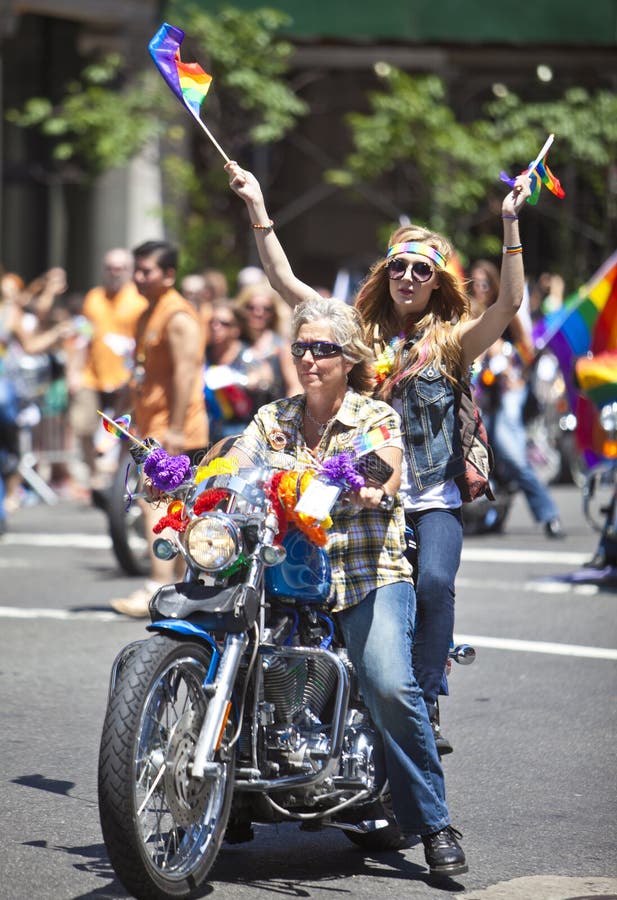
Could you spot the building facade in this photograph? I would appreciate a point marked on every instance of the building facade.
(474, 47)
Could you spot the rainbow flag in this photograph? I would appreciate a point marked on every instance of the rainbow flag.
(188, 81)
(596, 377)
(111, 425)
(539, 174)
(587, 323)
(375, 438)
(543, 175)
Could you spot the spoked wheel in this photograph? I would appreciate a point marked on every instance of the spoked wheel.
(162, 828)
(126, 525)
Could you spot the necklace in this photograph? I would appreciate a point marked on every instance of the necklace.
(318, 425)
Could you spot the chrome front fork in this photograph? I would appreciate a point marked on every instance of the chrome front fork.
(219, 706)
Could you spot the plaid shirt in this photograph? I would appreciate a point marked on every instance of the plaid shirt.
(366, 546)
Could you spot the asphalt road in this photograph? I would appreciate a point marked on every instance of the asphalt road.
(531, 783)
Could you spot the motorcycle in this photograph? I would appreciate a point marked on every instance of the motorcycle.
(600, 492)
(242, 706)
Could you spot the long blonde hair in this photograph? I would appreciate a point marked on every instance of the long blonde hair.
(433, 338)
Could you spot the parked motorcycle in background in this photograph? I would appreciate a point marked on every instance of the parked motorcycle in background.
(596, 378)
(552, 432)
(550, 424)
(242, 705)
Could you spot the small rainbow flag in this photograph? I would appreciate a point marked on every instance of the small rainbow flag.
(118, 427)
(540, 174)
(188, 81)
(375, 438)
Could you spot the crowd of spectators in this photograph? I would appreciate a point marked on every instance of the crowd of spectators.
(64, 356)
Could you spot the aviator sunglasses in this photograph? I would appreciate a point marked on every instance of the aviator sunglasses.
(319, 349)
(420, 271)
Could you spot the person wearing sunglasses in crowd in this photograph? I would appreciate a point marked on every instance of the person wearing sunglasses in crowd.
(372, 592)
(264, 327)
(417, 318)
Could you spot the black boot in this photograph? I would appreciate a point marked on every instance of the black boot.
(441, 742)
(443, 853)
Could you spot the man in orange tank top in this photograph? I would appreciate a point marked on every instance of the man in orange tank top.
(110, 311)
(167, 385)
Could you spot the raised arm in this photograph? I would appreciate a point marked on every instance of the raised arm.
(273, 259)
(479, 334)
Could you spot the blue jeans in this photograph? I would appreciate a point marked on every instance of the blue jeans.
(509, 441)
(439, 539)
(8, 414)
(378, 633)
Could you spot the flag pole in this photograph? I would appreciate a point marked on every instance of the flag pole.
(542, 153)
(210, 135)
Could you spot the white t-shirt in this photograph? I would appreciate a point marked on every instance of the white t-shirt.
(439, 496)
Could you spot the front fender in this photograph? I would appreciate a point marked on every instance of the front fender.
(184, 627)
(190, 629)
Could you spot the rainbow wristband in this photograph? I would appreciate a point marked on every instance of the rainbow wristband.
(510, 251)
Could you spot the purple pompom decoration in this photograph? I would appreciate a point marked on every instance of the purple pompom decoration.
(340, 469)
(164, 471)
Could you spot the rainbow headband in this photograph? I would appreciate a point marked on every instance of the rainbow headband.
(422, 249)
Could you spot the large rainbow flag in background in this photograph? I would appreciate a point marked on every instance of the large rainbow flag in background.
(587, 323)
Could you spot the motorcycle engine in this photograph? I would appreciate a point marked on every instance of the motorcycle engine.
(296, 718)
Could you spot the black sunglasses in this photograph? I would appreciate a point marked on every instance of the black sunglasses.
(319, 349)
(420, 271)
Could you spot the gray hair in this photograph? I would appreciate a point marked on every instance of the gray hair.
(347, 330)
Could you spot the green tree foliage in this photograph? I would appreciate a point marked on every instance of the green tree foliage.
(445, 171)
(111, 113)
(99, 123)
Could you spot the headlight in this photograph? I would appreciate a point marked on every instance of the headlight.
(212, 542)
(608, 417)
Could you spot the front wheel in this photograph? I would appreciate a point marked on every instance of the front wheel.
(162, 828)
(126, 524)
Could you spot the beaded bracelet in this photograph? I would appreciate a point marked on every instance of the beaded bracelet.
(509, 217)
(265, 228)
(515, 248)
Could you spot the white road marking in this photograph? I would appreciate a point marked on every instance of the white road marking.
(65, 615)
(510, 555)
(495, 643)
(491, 643)
(558, 586)
(470, 554)
(557, 887)
(81, 541)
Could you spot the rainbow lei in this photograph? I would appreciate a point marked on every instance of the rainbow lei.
(385, 359)
(290, 488)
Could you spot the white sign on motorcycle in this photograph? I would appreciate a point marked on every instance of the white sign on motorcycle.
(318, 499)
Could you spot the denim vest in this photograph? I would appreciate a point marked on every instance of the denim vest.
(430, 432)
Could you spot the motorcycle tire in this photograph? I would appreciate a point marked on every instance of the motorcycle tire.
(126, 526)
(390, 837)
(162, 830)
(486, 516)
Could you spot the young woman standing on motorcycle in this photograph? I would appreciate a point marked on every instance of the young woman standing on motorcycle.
(372, 592)
(417, 317)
